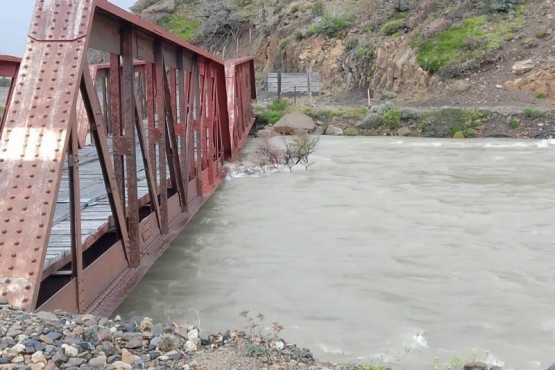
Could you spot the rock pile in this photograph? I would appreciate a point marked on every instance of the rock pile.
(70, 341)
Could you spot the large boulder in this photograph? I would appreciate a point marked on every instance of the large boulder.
(295, 122)
(523, 66)
(334, 130)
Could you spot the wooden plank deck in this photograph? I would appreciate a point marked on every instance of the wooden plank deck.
(95, 207)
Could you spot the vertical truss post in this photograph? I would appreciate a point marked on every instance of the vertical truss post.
(117, 129)
(127, 145)
(183, 86)
(75, 215)
(160, 74)
(150, 170)
(172, 149)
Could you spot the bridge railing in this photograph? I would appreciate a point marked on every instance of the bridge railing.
(9, 66)
(159, 106)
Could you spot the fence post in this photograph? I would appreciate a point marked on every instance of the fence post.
(308, 86)
(279, 83)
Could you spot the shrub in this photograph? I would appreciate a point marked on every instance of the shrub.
(182, 27)
(514, 123)
(392, 118)
(350, 131)
(540, 95)
(330, 26)
(351, 43)
(500, 5)
(458, 135)
(318, 8)
(364, 52)
(370, 27)
(273, 112)
(532, 113)
(393, 27)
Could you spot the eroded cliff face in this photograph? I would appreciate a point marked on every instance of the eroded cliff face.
(370, 46)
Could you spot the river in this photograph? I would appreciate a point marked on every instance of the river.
(395, 249)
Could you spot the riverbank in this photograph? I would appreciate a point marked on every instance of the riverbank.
(387, 118)
(60, 340)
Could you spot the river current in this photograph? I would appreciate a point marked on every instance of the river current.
(398, 249)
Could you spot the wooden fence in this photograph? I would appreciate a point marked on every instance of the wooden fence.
(303, 82)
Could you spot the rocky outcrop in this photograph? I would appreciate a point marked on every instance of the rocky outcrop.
(523, 66)
(152, 10)
(397, 70)
(541, 83)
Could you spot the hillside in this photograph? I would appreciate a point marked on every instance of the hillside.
(416, 53)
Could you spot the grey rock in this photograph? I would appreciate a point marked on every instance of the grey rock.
(154, 355)
(157, 330)
(98, 362)
(53, 335)
(75, 361)
(47, 316)
(205, 337)
(91, 335)
(175, 356)
(334, 131)
(168, 343)
(108, 348)
(134, 340)
(154, 342)
(476, 366)
(114, 358)
(119, 365)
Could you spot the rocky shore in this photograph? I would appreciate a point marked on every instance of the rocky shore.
(58, 340)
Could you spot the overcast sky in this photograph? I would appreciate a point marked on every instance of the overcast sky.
(15, 18)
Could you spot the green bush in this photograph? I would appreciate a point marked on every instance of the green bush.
(392, 118)
(533, 113)
(364, 52)
(540, 95)
(330, 26)
(273, 112)
(514, 123)
(393, 27)
(350, 131)
(351, 43)
(182, 27)
(458, 135)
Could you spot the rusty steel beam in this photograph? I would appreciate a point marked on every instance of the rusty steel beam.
(9, 67)
(185, 110)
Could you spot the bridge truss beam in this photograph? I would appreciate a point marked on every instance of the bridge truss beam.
(157, 103)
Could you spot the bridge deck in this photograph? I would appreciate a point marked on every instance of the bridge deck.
(95, 207)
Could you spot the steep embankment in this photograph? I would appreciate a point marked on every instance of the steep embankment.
(416, 53)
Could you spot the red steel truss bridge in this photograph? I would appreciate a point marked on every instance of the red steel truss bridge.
(102, 166)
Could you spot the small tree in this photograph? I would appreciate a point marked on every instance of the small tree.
(299, 149)
(268, 155)
(295, 150)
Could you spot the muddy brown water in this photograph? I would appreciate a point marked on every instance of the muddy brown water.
(412, 251)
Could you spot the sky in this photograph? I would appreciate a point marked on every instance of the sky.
(15, 18)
